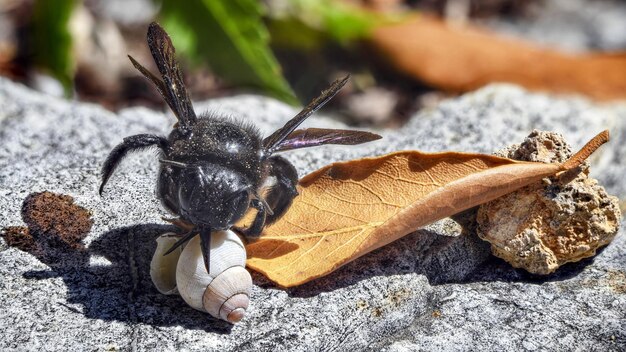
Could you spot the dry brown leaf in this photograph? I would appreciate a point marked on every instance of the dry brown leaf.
(463, 58)
(348, 209)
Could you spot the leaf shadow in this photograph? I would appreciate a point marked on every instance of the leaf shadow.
(460, 259)
(278, 248)
(111, 281)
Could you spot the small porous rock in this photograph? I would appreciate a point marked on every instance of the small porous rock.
(545, 225)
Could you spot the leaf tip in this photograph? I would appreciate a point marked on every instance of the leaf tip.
(587, 150)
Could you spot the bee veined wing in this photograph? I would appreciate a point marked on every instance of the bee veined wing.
(312, 137)
(172, 87)
(273, 142)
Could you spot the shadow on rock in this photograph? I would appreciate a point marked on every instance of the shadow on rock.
(442, 259)
(459, 257)
(496, 269)
(111, 281)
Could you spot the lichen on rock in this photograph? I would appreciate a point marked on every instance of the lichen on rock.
(56, 219)
(563, 219)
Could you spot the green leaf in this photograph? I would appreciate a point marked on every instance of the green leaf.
(290, 32)
(231, 37)
(52, 39)
(309, 19)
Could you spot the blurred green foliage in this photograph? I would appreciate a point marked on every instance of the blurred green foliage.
(308, 24)
(52, 39)
(230, 36)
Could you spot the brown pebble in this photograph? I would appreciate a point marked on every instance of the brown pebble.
(55, 217)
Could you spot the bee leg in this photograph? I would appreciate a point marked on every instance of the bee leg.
(129, 144)
(205, 245)
(259, 220)
(189, 235)
(281, 195)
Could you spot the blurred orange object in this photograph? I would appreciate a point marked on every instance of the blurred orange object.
(463, 58)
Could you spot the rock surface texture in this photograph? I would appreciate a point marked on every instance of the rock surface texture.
(437, 289)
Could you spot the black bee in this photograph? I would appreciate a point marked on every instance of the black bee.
(212, 168)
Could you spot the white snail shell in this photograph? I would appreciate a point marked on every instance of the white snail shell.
(163, 268)
(224, 291)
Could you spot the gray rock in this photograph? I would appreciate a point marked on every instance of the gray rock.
(426, 291)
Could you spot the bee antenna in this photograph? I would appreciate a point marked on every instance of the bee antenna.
(172, 163)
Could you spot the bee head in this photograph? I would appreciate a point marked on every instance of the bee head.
(213, 195)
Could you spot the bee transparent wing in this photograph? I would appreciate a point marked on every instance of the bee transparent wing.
(273, 142)
(312, 137)
(172, 88)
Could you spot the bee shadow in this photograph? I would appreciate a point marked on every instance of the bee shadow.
(111, 281)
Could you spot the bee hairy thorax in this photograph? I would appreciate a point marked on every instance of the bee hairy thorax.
(218, 140)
